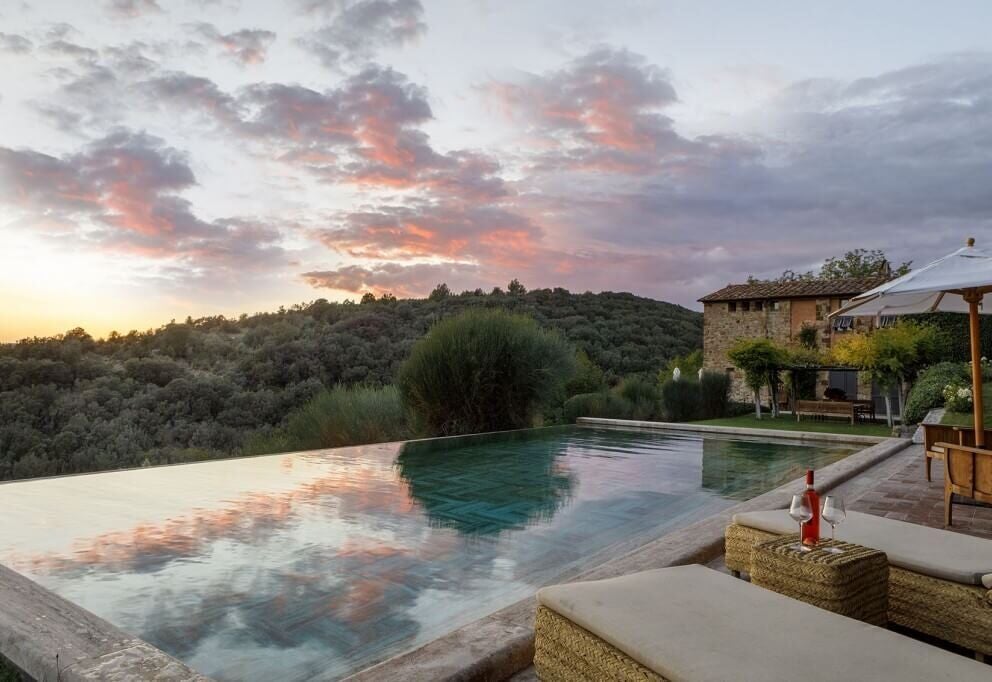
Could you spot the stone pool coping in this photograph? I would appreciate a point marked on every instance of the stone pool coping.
(804, 436)
(501, 644)
(50, 638)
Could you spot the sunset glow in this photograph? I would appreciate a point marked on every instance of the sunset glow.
(171, 158)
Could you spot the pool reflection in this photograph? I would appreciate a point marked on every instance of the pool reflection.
(313, 565)
(478, 490)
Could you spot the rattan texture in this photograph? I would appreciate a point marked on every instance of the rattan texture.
(739, 541)
(955, 613)
(565, 652)
(854, 583)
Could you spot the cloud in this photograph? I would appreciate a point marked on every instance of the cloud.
(425, 230)
(359, 29)
(123, 194)
(70, 49)
(132, 9)
(247, 46)
(400, 280)
(600, 111)
(15, 44)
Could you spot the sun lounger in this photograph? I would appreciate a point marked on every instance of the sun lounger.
(940, 582)
(691, 623)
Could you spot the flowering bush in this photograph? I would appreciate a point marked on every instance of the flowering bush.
(986, 368)
(957, 398)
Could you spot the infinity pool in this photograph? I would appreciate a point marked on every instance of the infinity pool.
(317, 564)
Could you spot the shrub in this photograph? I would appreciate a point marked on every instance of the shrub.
(688, 364)
(588, 376)
(605, 404)
(809, 336)
(714, 395)
(483, 370)
(338, 417)
(642, 395)
(958, 398)
(928, 391)
(681, 400)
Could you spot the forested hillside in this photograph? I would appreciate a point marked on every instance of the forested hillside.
(201, 388)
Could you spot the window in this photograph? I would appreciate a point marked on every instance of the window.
(732, 307)
(773, 305)
(758, 305)
(746, 306)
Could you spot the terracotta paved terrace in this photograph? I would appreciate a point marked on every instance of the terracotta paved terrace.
(906, 495)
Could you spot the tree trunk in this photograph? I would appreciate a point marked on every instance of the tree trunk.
(902, 402)
(773, 389)
(757, 404)
(888, 407)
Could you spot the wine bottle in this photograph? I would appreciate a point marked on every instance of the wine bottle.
(811, 529)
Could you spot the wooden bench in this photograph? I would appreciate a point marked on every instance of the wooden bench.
(826, 408)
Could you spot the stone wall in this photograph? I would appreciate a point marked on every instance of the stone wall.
(723, 328)
(779, 321)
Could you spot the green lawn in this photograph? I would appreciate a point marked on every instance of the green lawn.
(789, 423)
(966, 418)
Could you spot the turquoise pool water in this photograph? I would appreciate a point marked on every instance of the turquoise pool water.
(313, 565)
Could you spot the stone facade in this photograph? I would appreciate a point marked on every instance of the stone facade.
(732, 314)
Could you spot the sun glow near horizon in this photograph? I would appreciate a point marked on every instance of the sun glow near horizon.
(165, 159)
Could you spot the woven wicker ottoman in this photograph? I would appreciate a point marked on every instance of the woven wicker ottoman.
(854, 583)
(923, 596)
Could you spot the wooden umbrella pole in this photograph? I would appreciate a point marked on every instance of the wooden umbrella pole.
(974, 297)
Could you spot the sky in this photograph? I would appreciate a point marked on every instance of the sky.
(169, 158)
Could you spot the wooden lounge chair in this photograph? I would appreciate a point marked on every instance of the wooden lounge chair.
(940, 582)
(967, 472)
(691, 623)
(944, 433)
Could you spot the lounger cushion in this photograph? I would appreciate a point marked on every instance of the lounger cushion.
(693, 623)
(938, 553)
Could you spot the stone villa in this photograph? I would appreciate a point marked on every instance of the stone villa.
(778, 310)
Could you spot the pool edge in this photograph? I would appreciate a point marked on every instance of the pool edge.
(803, 436)
(497, 646)
(48, 637)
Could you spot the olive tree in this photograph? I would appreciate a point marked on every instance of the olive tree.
(760, 360)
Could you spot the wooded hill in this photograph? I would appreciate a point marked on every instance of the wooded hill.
(199, 389)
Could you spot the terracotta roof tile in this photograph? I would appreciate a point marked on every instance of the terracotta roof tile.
(798, 289)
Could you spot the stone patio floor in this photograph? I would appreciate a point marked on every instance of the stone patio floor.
(906, 495)
(897, 489)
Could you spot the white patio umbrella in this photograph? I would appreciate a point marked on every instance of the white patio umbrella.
(955, 283)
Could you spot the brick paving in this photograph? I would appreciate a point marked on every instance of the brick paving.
(906, 495)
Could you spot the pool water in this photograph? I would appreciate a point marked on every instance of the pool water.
(317, 564)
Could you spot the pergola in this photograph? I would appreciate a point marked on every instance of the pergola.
(795, 369)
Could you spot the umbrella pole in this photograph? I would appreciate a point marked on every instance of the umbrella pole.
(973, 298)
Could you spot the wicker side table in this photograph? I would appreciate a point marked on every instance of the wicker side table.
(854, 583)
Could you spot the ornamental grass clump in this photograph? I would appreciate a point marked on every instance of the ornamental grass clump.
(484, 370)
(958, 398)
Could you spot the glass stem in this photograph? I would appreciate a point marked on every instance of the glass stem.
(833, 532)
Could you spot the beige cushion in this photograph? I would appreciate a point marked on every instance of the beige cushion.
(693, 623)
(929, 551)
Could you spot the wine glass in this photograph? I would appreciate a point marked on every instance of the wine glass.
(834, 513)
(801, 513)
